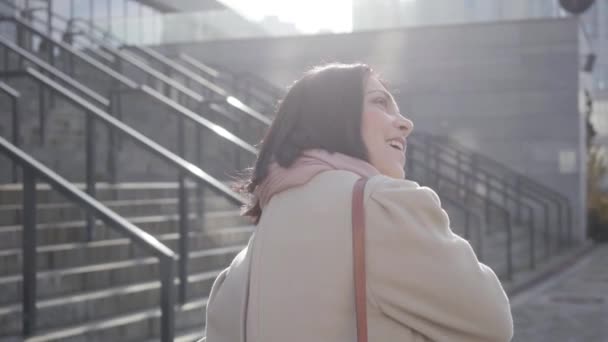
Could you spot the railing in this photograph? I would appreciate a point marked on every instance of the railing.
(468, 193)
(252, 89)
(33, 170)
(177, 109)
(186, 169)
(520, 185)
(81, 88)
(24, 25)
(110, 43)
(485, 198)
(14, 98)
(211, 107)
(213, 90)
(203, 69)
(122, 57)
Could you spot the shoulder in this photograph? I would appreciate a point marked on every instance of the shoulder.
(381, 188)
(400, 202)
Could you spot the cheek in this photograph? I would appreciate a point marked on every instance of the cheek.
(372, 130)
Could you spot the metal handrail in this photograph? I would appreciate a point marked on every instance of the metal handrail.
(176, 85)
(32, 170)
(199, 120)
(151, 72)
(550, 194)
(499, 165)
(532, 196)
(230, 100)
(91, 94)
(449, 149)
(192, 77)
(184, 112)
(487, 201)
(8, 90)
(185, 168)
(199, 66)
(177, 108)
(506, 197)
(14, 98)
(270, 91)
(74, 52)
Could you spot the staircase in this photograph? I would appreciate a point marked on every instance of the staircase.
(198, 125)
(107, 289)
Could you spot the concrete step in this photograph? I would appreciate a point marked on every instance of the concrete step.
(52, 283)
(11, 214)
(135, 326)
(50, 257)
(58, 212)
(75, 231)
(13, 193)
(79, 308)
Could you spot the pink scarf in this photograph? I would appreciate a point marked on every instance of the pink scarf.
(308, 165)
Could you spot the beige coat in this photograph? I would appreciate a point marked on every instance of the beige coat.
(424, 283)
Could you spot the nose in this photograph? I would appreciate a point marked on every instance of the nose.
(405, 125)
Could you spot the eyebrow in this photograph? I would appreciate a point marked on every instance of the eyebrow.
(384, 92)
(387, 94)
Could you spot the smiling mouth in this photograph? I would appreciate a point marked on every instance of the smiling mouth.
(396, 144)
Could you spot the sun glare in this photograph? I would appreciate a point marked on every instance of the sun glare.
(309, 16)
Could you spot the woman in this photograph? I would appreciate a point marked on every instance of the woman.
(294, 282)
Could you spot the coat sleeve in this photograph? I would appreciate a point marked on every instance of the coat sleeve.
(424, 276)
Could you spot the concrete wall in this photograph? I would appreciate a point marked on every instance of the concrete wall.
(508, 90)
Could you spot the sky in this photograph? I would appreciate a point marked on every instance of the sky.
(309, 16)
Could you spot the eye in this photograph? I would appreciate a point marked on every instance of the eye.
(381, 101)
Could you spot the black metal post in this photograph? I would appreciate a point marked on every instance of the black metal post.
(509, 247)
(29, 251)
(49, 31)
(487, 196)
(167, 300)
(91, 16)
(119, 113)
(90, 169)
(41, 110)
(183, 219)
(467, 233)
(6, 65)
(21, 43)
(167, 87)
(68, 37)
(125, 16)
(437, 166)
(237, 129)
(111, 162)
(518, 199)
(199, 188)
(532, 240)
(480, 238)
(16, 140)
(139, 23)
(72, 9)
(458, 171)
(569, 223)
(109, 15)
(547, 230)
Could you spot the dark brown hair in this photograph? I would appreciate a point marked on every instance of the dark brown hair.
(321, 110)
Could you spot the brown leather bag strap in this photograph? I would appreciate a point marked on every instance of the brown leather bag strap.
(358, 222)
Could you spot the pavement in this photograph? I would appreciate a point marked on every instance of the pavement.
(571, 306)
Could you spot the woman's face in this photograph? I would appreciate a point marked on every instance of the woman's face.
(384, 130)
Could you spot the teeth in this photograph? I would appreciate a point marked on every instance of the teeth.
(396, 144)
